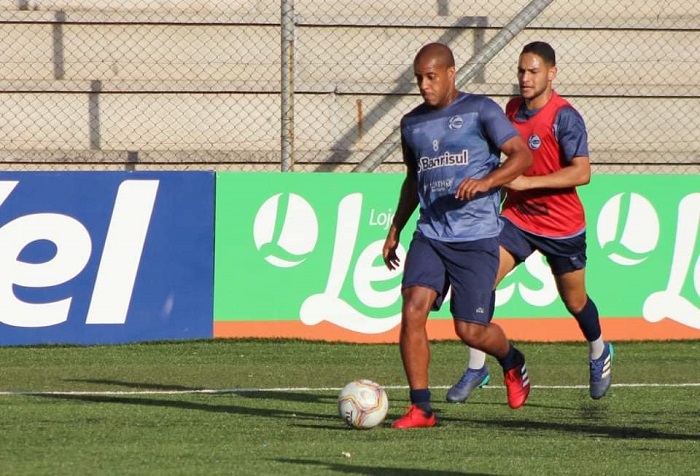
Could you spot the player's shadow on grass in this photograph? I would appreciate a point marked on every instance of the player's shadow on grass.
(343, 427)
(628, 432)
(288, 396)
(283, 395)
(372, 470)
(148, 401)
(546, 407)
(138, 385)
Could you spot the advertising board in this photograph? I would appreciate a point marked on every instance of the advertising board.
(299, 255)
(105, 257)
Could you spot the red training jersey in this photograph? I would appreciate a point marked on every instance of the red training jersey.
(549, 212)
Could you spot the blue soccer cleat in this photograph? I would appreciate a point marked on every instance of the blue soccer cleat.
(601, 373)
(471, 380)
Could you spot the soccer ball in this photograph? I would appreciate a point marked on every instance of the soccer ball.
(363, 404)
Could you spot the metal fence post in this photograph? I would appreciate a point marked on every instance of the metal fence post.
(287, 85)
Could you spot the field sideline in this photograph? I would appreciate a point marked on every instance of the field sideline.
(269, 407)
(317, 389)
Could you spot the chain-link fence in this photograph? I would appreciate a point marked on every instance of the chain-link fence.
(313, 85)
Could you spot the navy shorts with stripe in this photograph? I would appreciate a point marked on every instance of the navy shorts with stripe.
(563, 254)
(469, 268)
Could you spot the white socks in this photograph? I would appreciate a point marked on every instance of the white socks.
(595, 348)
(477, 359)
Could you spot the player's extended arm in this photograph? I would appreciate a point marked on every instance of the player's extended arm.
(408, 201)
(575, 174)
(518, 159)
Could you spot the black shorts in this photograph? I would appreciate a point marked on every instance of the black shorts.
(469, 268)
(563, 255)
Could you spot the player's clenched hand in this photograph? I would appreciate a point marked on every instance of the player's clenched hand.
(470, 187)
(391, 260)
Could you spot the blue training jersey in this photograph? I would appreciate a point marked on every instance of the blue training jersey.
(445, 146)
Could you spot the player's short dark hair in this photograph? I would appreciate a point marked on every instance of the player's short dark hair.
(439, 51)
(543, 50)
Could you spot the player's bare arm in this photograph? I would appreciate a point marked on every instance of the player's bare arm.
(408, 201)
(573, 175)
(518, 159)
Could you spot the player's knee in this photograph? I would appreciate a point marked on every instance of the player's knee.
(413, 318)
(470, 333)
(575, 304)
(416, 304)
(413, 311)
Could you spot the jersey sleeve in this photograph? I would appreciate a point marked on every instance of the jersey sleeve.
(570, 131)
(496, 125)
(407, 153)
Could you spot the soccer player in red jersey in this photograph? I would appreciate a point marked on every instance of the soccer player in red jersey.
(542, 211)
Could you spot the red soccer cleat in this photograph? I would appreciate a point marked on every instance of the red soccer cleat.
(517, 385)
(416, 417)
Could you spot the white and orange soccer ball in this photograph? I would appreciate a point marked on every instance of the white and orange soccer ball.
(363, 404)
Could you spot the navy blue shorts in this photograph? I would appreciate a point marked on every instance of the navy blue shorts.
(469, 268)
(563, 255)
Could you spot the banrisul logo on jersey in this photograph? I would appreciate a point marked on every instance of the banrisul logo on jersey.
(299, 255)
(105, 257)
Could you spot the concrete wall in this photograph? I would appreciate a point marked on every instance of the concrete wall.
(147, 83)
(673, 14)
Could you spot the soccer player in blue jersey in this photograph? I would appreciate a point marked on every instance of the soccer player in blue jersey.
(452, 145)
(543, 212)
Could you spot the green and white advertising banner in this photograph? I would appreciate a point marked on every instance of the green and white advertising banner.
(299, 255)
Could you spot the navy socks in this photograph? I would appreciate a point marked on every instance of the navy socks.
(512, 359)
(588, 321)
(421, 398)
